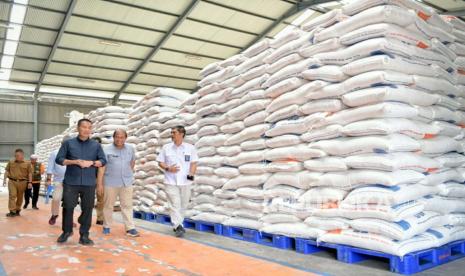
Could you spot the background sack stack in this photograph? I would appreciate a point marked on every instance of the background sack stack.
(144, 128)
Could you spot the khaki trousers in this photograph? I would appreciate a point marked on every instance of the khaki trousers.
(16, 191)
(125, 197)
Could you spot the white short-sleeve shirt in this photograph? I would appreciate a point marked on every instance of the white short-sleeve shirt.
(181, 156)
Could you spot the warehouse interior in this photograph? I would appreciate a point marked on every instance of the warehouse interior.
(82, 56)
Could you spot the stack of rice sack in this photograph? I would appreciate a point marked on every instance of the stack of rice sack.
(348, 131)
(144, 125)
(106, 120)
(388, 122)
(2, 172)
(232, 143)
(44, 148)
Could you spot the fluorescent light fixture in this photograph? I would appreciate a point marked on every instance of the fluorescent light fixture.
(18, 12)
(76, 92)
(10, 47)
(5, 74)
(16, 86)
(14, 33)
(329, 4)
(110, 43)
(7, 62)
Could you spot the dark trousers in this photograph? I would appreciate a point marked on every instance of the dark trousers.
(34, 193)
(71, 195)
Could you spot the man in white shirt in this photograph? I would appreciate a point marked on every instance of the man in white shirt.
(179, 161)
(57, 172)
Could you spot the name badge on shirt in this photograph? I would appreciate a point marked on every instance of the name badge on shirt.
(187, 158)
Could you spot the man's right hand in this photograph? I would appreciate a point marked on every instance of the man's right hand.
(100, 189)
(173, 169)
(85, 163)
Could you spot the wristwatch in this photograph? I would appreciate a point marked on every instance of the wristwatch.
(190, 177)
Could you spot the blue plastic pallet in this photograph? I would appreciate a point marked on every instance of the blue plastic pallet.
(307, 246)
(163, 219)
(210, 227)
(150, 217)
(241, 233)
(189, 224)
(138, 214)
(278, 241)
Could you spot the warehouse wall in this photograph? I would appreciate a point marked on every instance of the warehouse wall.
(16, 123)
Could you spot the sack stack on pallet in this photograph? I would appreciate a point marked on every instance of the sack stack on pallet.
(348, 130)
(231, 110)
(144, 126)
(392, 135)
(43, 150)
(106, 120)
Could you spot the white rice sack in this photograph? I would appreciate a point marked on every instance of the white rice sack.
(243, 222)
(250, 193)
(247, 134)
(393, 161)
(452, 189)
(382, 110)
(283, 191)
(253, 168)
(328, 45)
(451, 160)
(210, 180)
(327, 224)
(284, 113)
(378, 194)
(279, 218)
(440, 145)
(299, 153)
(443, 205)
(245, 181)
(323, 195)
(326, 164)
(414, 129)
(299, 230)
(249, 214)
(323, 133)
(227, 172)
(367, 144)
(247, 109)
(285, 166)
(457, 219)
(255, 119)
(298, 126)
(325, 20)
(283, 62)
(378, 242)
(300, 180)
(283, 141)
(384, 212)
(210, 217)
(225, 194)
(257, 144)
(330, 73)
(229, 151)
(401, 94)
(245, 157)
(327, 105)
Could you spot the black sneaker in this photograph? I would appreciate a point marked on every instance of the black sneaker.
(179, 232)
(11, 214)
(99, 222)
(18, 213)
(84, 240)
(35, 207)
(64, 237)
(25, 206)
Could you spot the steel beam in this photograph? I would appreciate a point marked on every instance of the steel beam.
(157, 47)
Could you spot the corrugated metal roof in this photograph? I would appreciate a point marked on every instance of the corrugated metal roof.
(104, 42)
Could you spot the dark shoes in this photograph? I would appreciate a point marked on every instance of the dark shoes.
(25, 206)
(99, 222)
(35, 207)
(84, 240)
(64, 237)
(12, 214)
(179, 231)
(52, 220)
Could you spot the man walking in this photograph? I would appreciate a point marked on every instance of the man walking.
(179, 161)
(81, 156)
(19, 174)
(57, 172)
(115, 180)
(99, 206)
(38, 170)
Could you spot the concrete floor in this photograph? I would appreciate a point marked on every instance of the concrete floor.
(27, 246)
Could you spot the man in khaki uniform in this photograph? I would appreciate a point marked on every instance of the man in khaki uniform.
(19, 173)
